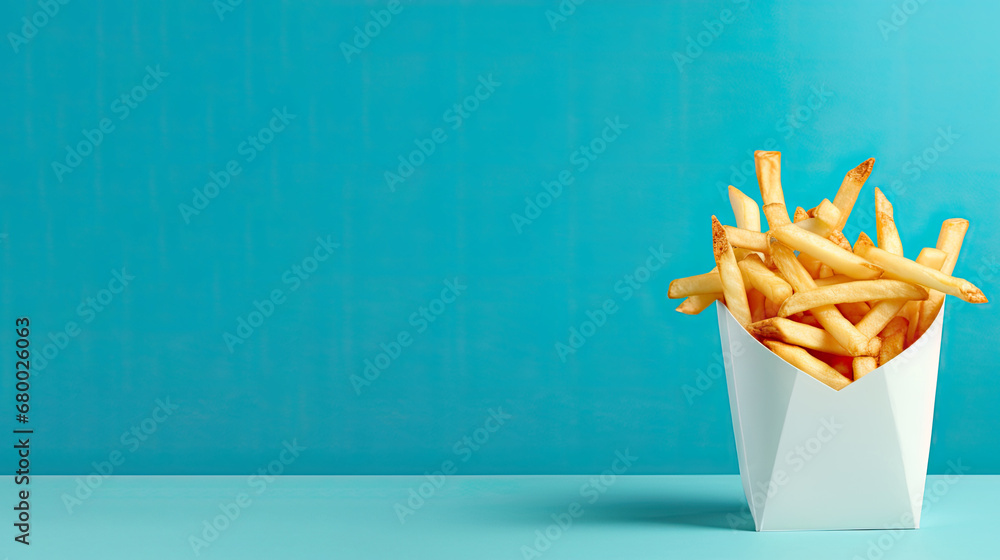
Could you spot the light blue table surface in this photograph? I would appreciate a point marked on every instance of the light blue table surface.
(468, 517)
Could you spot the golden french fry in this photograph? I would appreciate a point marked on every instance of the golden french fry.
(745, 208)
(840, 363)
(910, 271)
(765, 280)
(808, 363)
(892, 340)
(860, 291)
(812, 265)
(838, 238)
(934, 258)
(883, 312)
(838, 258)
(800, 215)
(799, 334)
(768, 166)
(776, 215)
(824, 272)
(746, 239)
(886, 233)
(854, 311)
(733, 288)
(815, 226)
(708, 283)
(835, 279)
(828, 315)
(950, 241)
(756, 301)
(695, 304)
(863, 240)
(911, 314)
(770, 308)
(863, 365)
(849, 189)
(828, 214)
(806, 319)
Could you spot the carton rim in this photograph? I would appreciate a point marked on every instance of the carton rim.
(936, 324)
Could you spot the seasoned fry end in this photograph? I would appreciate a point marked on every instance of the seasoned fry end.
(720, 243)
(762, 154)
(972, 294)
(863, 242)
(860, 173)
(764, 329)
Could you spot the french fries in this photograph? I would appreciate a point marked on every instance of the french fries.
(903, 268)
(834, 311)
(893, 336)
(768, 166)
(865, 290)
(765, 280)
(828, 214)
(798, 334)
(695, 304)
(745, 209)
(838, 258)
(756, 301)
(863, 365)
(808, 363)
(950, 242)
(849, 189)
(708, 283)
(746, 239)
(888, 237)
(733, 289)
(827, 315)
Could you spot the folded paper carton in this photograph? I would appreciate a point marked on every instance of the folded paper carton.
(812, 458)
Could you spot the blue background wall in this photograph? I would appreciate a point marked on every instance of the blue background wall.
(883, 92)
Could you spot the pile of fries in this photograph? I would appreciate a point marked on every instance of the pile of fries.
(834, 311)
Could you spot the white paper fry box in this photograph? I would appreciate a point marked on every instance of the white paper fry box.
(812, 458)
